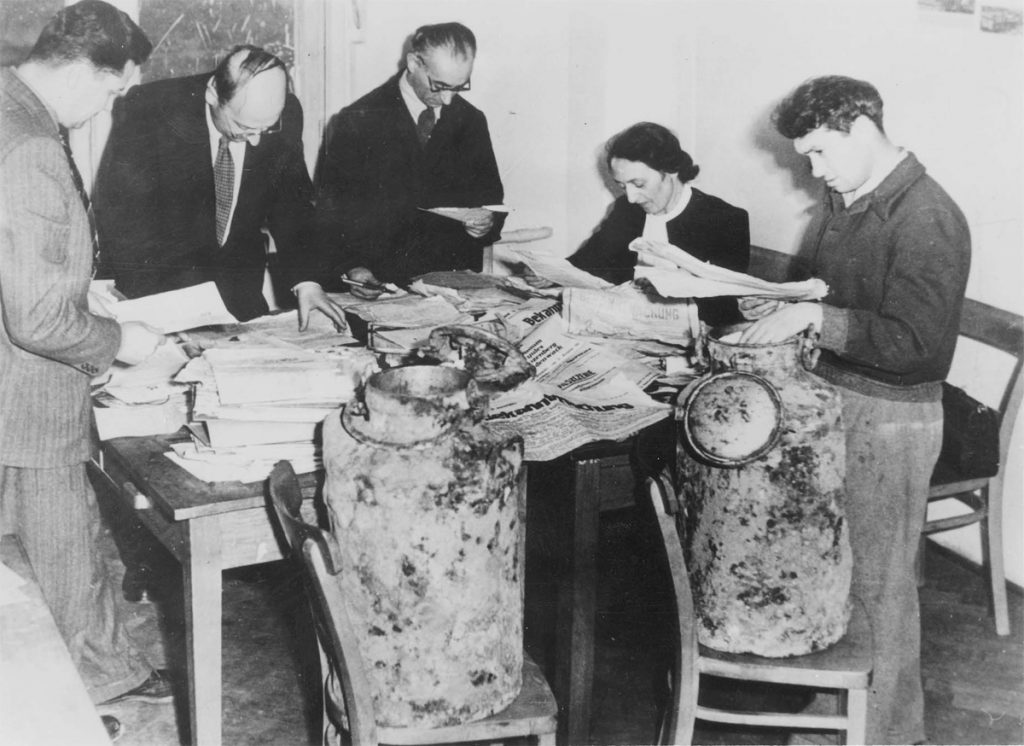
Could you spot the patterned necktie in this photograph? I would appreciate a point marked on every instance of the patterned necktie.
(83, 195)
(425, 124)
(224, 184)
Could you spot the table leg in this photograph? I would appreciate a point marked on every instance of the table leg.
(577, 604)
(203, 585)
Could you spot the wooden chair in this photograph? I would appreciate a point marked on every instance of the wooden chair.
(1003, 331)
(846, 666)
(532, 713)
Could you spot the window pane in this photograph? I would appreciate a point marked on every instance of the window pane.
(20, 24)
(189, 36)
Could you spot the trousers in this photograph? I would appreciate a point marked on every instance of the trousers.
(56, 516)
(891, 450)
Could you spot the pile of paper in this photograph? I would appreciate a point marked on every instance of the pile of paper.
(142, 399)
(254, 406)
(582, 392)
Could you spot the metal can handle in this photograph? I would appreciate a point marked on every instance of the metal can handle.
(809, 351)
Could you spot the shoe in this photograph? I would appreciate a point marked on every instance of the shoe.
(114, 728)
(157, 688)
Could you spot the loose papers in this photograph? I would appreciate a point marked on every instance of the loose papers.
(409, 311)
(176, 310)
(581, 394)
(555, 269)
(676, 274)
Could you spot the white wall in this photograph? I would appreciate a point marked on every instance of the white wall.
(556, 78)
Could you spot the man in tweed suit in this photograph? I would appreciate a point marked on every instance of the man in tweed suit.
(51, 345)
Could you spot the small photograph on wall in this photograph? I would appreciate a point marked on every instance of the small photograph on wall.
(1004, 17)
(965, 7)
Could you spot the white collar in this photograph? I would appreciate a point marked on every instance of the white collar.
(412, 101)
(685, 194)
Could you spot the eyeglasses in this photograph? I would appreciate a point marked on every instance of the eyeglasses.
(254, 131)
(439, 87)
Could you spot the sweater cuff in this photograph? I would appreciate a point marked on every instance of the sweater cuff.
(835, 328)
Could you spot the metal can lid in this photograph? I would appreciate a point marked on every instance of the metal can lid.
(730, 418)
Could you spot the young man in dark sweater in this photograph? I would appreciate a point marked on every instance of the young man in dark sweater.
(895, 251)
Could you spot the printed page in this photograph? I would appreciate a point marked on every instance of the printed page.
(627, 312)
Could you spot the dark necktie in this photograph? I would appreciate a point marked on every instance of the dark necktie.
(83, 195)
(425, 124)
(224, 184)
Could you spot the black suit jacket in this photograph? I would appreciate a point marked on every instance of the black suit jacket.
(373, 174)
(709, 228)
(155, 204)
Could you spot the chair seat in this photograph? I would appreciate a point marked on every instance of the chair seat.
(847, 664)
(947, 480)
(533, 712)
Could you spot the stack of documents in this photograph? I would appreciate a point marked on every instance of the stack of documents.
(254, 406)
(142, 399)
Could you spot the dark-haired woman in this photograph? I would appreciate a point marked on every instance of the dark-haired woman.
(648, 164)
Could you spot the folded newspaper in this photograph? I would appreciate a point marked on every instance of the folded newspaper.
(676, 274)
(582, 393)
(627, 312)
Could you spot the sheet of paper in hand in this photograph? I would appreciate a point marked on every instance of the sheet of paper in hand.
(466, 214)
(676, 274)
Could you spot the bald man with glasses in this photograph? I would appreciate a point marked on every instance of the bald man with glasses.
(412, 143)
(194, 171)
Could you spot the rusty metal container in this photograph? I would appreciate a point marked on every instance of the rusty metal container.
(761, 462)
(428, 506)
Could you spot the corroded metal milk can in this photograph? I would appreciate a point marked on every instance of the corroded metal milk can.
(428, 507)
(761, 459)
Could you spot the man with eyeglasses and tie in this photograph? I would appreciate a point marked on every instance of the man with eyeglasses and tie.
(194, 170)
(411, 144)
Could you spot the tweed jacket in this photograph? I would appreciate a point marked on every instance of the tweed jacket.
(156, 206)
(50, 345)
(373, 175)
(709, 228)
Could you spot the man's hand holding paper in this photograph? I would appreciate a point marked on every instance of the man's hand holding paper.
(676, 274)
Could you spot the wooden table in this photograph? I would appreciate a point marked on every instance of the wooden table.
(42, 697)
(210, 528)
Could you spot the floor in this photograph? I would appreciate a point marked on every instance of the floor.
(974, 680)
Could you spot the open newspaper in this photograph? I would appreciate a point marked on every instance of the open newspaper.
(676, 274)
(582, 393)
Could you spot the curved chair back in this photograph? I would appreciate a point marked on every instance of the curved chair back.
(318, 554)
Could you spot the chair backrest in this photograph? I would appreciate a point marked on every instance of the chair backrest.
(677, 727)
(318, 553)
(1004, 331)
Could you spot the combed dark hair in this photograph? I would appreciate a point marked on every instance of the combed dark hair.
(229, 76)
(454, 36)
(94, 31)
(654, 146)
(832, 101)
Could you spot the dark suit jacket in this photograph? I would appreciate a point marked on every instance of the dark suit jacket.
(155, 203)
(50, 345)
(373, 174)
(709, 228)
